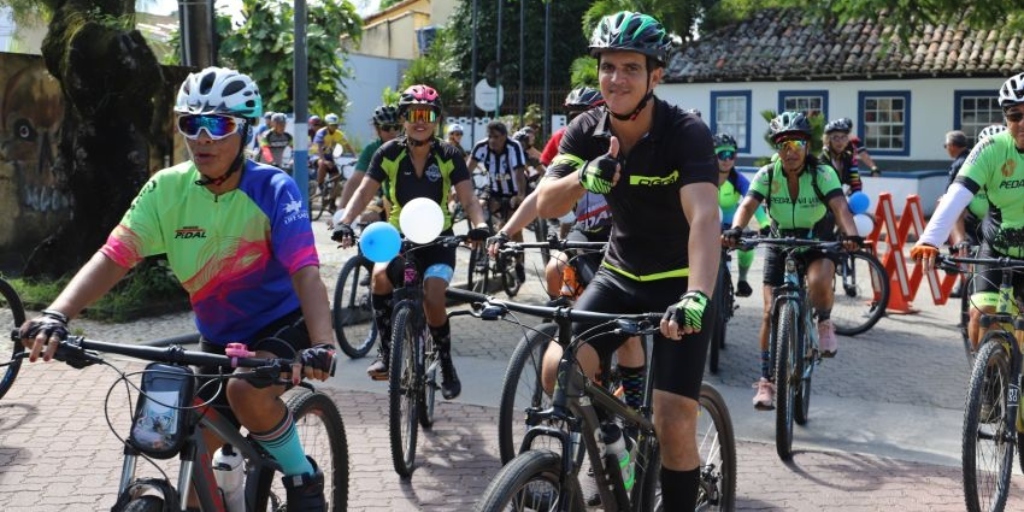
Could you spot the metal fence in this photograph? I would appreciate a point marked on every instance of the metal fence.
(510, 102)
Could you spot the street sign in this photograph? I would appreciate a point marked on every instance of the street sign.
(488, 98)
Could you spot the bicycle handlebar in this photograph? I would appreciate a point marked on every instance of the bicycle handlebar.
(792, 242)
(551, 243)
(481, 302)
(948, 262)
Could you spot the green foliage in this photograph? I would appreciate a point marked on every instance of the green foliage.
(584, 72)
(390, 96)
(262, 47)
(435, 69)
(678, 17)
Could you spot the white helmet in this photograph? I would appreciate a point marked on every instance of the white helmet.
(991, 130)
(219, 91)
(331, 119)
(455, 127)
(1012, 91)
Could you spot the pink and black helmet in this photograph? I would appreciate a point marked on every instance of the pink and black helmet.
(420, 95)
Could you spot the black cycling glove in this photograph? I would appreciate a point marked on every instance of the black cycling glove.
(732, 235)
(596, 175)
(51, 323)
(342, 231)
(500, 239)
(320, 357)
(856, 239)
(478, 234)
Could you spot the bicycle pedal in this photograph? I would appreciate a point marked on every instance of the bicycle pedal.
(379, 376)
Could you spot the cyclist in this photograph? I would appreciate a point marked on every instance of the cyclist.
(416, 164)
(387, 125)
(455, 132)
(804, 189)
(840, 153)
(249, 264)
(267, 125)
(314, 125)
(273, 143)
(996, 164)
(325, 140)
(668, 180)
(732, 186)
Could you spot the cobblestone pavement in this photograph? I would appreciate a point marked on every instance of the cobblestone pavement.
(884, 431)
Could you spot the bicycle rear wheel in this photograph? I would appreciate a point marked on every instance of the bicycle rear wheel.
(786, 361)
(428, 391)
(12, 315)
(353, 309)
(861, 290)
(403, 391)
(505, 266)
(988, 434)
(522, 389)
(716, 444)
(479, 270)
(531, 482)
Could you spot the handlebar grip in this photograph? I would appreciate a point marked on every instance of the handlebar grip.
(466, 295)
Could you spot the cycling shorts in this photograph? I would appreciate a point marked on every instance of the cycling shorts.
(290, 336)
(985, 284)
(678, 365)
(775, 263)
(434, 261)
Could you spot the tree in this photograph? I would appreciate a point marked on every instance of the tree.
(436, 68)
(678, 17)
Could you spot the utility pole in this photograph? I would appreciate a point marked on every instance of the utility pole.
(522, 57)
(497, 75)
(300, 85)
(472, 80)
(196, 21)
(546, 123)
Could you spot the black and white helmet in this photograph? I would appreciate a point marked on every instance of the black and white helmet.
(1012, 91)
(219, 91)
(990, 130)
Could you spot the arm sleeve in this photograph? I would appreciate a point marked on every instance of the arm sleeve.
(946, 214)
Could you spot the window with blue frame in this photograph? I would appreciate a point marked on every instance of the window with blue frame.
(974, 110)
(730, 113)
(885, 122)
(808, 102)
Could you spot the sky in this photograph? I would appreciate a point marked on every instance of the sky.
(166, 7)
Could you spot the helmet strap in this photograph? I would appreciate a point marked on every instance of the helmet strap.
(235, 165)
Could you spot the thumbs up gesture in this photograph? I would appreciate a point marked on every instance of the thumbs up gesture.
(602, 173)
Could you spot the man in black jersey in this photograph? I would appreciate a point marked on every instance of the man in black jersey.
(656, 166)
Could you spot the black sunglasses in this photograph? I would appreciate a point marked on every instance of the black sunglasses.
(1014, 117)
(389, 127)
(726, 155)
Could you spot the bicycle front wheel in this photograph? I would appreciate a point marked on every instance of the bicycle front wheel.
(505, 265)
(531, 482)
(522, 389)
(479, 269)
(716, 444)
(988, 435)
(353, 309)
(12, 315)
(861, 291)
(786, 376)
(403, 391)
(428, 390)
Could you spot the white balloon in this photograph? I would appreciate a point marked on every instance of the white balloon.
(421, 220)
(865, 224)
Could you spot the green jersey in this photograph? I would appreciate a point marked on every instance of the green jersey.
(803, 212)
(997, 167)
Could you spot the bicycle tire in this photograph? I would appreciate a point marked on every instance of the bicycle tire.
(540, 233)
(509, 281)
(785, 339)
(144, 504)
(479, 270)
(522, 383)
(402, 390)
(352, 310)
(717, 481)
(528, 471)
(11, 306)
(849, 315)
(647, 474)
(965, 317)
(978, 490)
(428, 391)
(804, 371)
(718, 330)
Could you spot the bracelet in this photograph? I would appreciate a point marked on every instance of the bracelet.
(56, 315)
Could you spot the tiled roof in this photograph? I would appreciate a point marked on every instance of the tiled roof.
(783, 44)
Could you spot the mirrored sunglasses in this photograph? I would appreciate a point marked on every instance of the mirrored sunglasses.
(389, 127)
(216, 127)
(726, 155)
(1014, 117)
(791, 145)
(420, 116)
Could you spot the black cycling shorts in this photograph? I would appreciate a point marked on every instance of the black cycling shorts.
(775, 263)
(585, 261)
(988, 279)
(678, 364)
(291, 337)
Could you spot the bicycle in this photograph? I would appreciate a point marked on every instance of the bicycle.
(545, 479)
(966, 283)
(726, 297)
(793, 339)
(993, 426)
(852, 293)
(482, 267)
(322, 197)
(12, 315)
(352, 308)
(170, 418)
(414, 363)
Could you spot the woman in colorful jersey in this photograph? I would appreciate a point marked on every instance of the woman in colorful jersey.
(732, 186)
(804, 191)
(995, 165)
(841, 152)
(238, 237)
(415, 165)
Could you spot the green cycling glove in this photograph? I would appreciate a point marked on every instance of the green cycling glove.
(689, 310)
(596, 175)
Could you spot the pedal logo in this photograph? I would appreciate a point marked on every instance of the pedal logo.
(433, 173)
(654, 181)
(188, 232)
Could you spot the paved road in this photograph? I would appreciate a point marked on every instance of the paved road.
(884, 430)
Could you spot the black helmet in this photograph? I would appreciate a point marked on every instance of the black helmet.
(631, 31)
(724, 140)
(842, 124)
(385, 114)
(789, 123)
(583, 98)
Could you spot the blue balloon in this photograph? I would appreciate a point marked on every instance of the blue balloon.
(859, 202)
(380, 242)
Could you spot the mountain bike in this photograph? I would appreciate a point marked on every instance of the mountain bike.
(993, 425)
(726, 297)
(482, 268)
(352, 308)
(548, 479)
(861, 289)
(793, 338)
(322, 197)
(414, 365)
(12, 315)
(170, 418)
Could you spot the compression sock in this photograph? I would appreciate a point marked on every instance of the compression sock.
(442, 338)
(679, 488)
(746, 259)
(382, 317)
(766, 371)
(283, 444)
(633, 385)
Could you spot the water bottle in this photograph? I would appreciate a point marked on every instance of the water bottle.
(229, 471)
(620, 446)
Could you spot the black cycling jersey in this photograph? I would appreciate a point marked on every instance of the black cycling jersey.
(650, 233)
(392, 167)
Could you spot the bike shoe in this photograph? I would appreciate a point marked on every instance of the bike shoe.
(379, 369)
(451, 387)
(306, 492)
(764, 400)
(743, 289)
(827, 339)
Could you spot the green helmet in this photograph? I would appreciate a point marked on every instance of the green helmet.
(631, 31)
(789, 123)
